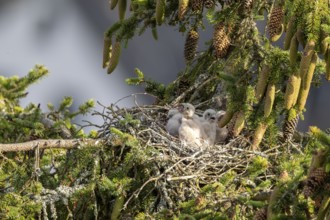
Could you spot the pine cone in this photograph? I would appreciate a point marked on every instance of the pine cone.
(327, 67)
(318, 202)
(183, 7)
(306, 83)
(190, 46)
(289, 128)
(106, 51)
(209, 3)
(269, 99)
(245, 7)
(113, 3)
(239, 124)
(160, 11)
(261, 214)
(196, 5)
(315, 181)
(122, 4)
(326, 188)
(258, 135)
(275, 21)
(114, 57)
(225, 119)
(231, 124)
(262, 81)
(221, 41)
(248, 4)
(292, 91)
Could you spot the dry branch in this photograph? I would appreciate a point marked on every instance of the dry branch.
(54, 143)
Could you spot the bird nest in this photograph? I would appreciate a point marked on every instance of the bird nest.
(179, 172)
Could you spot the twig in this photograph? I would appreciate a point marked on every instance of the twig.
(181, 177)
(52, 143)
(185, 93)
(137, 192)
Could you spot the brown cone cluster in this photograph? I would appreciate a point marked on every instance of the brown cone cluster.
(209, 3)
(315, 181)
(275, 21)
(190, 46)
(248, 4)
(289, 127)
(261, 214)
(221, 41)
(196, 5)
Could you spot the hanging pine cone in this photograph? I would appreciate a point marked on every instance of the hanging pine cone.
(314, 181)
(221, 41)
(106, 51)
(289, 128)
(160, 11)
(114, 57)
(239, 124)
(258, 135)
(196, 5)
(245, 7)
(261, 214)
(122, 4)
(231, 124)
(225, 119)
(275, 21)
(248, 4)
(209, 3)
(183, 7)
(318, 202)
(327, 67)
(327, 187)
(113, 3)
(190, 46)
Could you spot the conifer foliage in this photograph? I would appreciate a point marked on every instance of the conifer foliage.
(135, 170)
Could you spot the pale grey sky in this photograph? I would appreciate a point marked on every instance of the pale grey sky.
(67, 37)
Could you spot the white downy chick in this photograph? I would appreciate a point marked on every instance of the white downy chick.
(222, 133)
(210, 126)
(174, 118)
(190, 131)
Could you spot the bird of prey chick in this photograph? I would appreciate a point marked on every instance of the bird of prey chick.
(191, 131)
(209, 124)
(174, 118)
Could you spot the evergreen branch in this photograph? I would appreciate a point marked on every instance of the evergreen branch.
(52, 143)
(195, 87)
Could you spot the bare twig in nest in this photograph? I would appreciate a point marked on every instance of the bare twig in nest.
(46, 144)
(154, 179)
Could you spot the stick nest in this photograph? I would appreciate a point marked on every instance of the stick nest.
(179, 173)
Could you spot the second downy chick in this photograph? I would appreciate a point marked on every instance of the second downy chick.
(210, 126)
